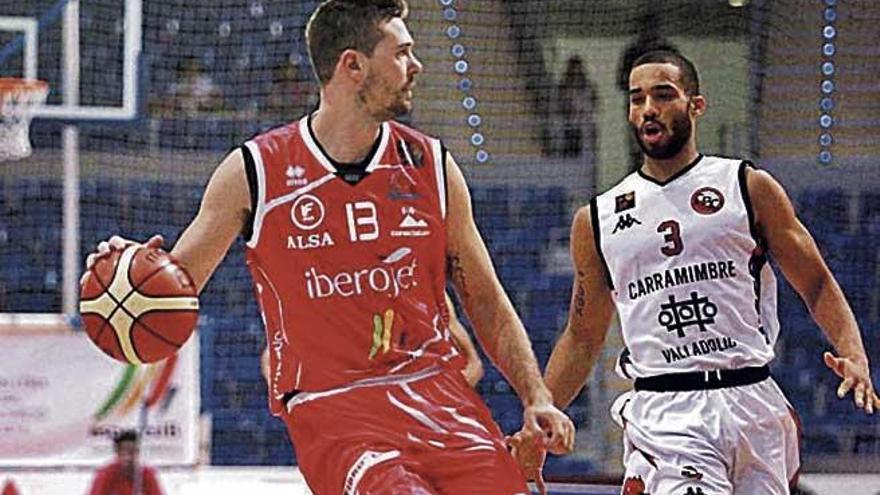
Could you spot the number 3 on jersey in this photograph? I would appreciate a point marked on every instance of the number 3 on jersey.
(363, 225)
(672, 236)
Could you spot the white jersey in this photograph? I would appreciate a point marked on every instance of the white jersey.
(689, 275)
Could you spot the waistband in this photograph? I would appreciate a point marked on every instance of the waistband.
(302, 397)
(703, 380)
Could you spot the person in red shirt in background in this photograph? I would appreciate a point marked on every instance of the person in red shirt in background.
(125, 476)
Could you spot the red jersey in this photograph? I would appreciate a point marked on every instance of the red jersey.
(350, 278)
(112, 480)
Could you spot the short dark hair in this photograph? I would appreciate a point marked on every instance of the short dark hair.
(125, 436)
(690, 79)
(339, 25)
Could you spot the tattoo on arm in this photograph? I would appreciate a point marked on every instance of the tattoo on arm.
(580, 298)
(456, 272)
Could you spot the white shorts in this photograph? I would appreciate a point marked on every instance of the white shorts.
(737, 440)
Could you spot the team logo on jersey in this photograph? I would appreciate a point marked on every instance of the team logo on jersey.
(382, 325)
(697, 311)
(296, 176)
(707, 200)
(411, 225)
(307, 212)
(624, 222)
(634, 486)
(402, 186)
(625, 202)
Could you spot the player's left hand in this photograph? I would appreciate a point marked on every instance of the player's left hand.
(545, 423)
(856, 376)
(530, 456)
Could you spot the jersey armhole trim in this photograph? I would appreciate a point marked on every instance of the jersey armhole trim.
(747, 200)
(597, 239)
(250, 170)
(440, 154)
(251, 154)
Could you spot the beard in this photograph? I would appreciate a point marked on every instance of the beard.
(680, 132)
(382, 101)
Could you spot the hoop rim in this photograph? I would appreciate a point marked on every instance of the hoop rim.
(14, 84)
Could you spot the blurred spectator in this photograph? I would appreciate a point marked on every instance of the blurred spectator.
(576, 100)
(194, 91)
(291, 93)
(125, 476)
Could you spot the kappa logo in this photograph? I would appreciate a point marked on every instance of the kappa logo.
(707, 200)
(694, 491)
(296, 176)
(624, 222)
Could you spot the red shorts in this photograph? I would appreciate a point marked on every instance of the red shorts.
(422, 435)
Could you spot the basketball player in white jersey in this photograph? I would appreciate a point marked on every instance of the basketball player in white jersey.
(679, 249)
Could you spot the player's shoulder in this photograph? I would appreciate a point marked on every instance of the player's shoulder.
(716, 164)
(407, 132)
(285, 132)
(582, 216)
(625, 186)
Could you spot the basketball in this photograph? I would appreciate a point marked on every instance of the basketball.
(138, 305)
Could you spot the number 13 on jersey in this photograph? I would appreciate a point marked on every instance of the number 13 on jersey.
(363, 224)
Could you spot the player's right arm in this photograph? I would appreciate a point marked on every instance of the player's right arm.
(496, 325)
(223, 212)
(589, 317)
(580, 344)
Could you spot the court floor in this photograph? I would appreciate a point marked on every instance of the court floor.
(567, 488)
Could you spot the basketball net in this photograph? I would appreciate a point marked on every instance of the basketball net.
(18, 100)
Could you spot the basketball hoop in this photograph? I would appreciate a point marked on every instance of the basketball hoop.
(18, 100)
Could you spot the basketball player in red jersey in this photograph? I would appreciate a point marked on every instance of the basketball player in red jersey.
(352, 223)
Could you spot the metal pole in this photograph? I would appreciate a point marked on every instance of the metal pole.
(70, 145)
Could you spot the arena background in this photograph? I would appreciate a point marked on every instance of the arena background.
(791, 85)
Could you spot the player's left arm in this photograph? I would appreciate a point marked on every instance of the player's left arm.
(496, 324)
(473, 370)
(794, 249)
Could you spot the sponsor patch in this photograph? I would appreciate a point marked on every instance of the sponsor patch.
(626, 201)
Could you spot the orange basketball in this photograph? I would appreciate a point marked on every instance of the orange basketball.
(138, 305)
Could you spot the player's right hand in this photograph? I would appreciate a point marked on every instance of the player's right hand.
(530, 454)
(547, 423)
(117, 243)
